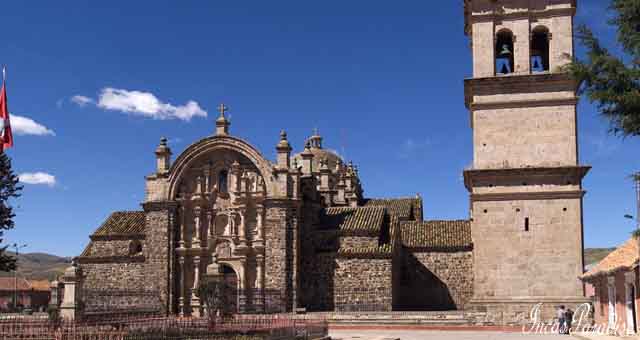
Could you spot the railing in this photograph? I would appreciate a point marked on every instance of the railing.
(251, 327)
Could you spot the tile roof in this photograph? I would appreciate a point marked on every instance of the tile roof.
(9, 284)
(404, 208)
(122, 223)
(624, 257)
(454, 234)
(349, 219)
(384, 251)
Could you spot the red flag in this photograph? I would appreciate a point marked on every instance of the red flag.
(6, 137)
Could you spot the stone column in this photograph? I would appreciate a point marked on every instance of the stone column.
(182, 287)
(182, 226)
(195, 300)
(71, 307)
(259, 227)
(196, 225)
(242, 230)
(55, 295)
(210, 232)
(259, 295)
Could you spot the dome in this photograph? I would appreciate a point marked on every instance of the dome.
(319, 154)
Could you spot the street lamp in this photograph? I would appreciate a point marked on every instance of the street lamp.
(17, 248)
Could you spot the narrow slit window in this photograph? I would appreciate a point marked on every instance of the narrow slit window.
(526, 224)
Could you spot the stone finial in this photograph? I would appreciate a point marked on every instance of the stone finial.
(284, 151)
(222, 123)
(307, 159)
(163, 157)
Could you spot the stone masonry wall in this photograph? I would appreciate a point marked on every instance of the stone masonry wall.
(349, 242)
(156, 252)
(363, 284)
(453, 269)
(280, 249)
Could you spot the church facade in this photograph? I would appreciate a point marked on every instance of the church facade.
(298, 232)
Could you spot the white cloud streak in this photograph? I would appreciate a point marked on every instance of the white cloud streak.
(145, 104)
(37, 178)
(27, 126)
(81, 101)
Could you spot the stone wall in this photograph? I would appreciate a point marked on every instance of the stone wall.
(543, 261)
(281, 245)
(363, 284)
(349, 242)
(156, 252)
(435, 280)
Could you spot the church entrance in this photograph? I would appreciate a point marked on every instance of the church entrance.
(230, 277)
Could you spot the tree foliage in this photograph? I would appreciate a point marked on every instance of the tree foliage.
(610, 81)
(216, 296)
(9, 189)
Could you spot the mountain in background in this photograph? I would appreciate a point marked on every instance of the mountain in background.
(40, 266)
(595, 255)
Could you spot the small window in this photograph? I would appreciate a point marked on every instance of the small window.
(504, 52)
(540, 49)
(222, 181)
(526, 224)
(135, 248)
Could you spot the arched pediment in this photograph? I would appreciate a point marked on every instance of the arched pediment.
(216, 145)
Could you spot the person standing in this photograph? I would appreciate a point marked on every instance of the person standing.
(568, 320)
(561, 314)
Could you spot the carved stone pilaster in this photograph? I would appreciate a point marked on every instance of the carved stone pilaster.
(197, 214)
(183, 288)
(195, 300)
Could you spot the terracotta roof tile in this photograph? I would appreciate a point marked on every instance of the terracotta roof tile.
(122, 223)
(360, 219)
(403, 208)
(454, 234)
(624, 257)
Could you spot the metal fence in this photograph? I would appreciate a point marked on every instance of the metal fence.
(167, 328)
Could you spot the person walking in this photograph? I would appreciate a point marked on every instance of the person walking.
(568, 320)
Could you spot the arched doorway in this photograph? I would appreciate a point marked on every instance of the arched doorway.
(631, 308)
(230, 277)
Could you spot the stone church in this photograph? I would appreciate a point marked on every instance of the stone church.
(298, 232)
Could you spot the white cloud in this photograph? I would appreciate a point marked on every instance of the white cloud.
(27, 126)
(37, 178)
(81, 101)
(147, 105)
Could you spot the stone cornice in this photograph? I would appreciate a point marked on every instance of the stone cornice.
(159, 206)
(470, 18)
(517, 83)
(523, 196)
(523, 103)
(110, 259)
(578, 172)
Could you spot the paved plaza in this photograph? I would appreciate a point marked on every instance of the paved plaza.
(447, 335)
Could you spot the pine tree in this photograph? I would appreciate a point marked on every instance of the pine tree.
(9, 189)
(610, 81)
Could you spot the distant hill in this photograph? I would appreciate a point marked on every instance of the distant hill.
(40, 266)
(594, 255)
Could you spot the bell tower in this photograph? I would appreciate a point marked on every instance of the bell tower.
(526, 180)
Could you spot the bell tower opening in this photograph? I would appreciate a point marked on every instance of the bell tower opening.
(504, 52)
(540, 49)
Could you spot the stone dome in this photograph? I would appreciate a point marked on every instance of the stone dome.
(319, 154)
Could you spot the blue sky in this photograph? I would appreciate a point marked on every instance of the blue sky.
(383, 82)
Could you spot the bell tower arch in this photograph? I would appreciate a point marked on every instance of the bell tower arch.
(525, 183)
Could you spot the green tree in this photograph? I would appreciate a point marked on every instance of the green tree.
(216, 295)
(9, 189)
(611, 81)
